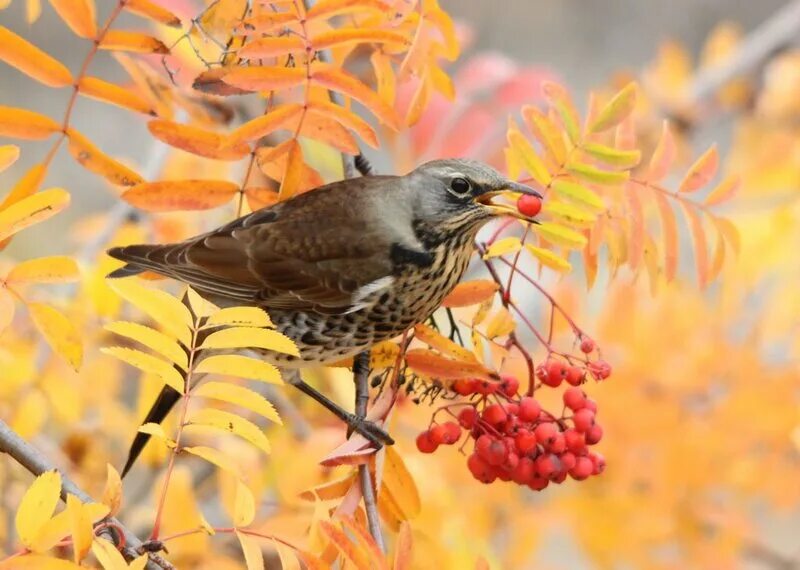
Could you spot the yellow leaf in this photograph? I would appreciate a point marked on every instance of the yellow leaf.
(197, 141)
(157, 431)
(272, 46)
(244, 506)
(245, 337)
(40, 562)
(24, 124)
(548, 258)
(331, 8)
(214, 456)
(570, 213)
(500, 324)
(355, 556)
(595, 175)
(253, 557)
(26, 186)
(59, 332)
(399, 483)
(31, 210)
(560, 101)
(435, 340)
(80, 528)
(329, 490)
(152, 339)
(240, 396)
(106, 92)
(9, 153)
(152, 11)
(107, 555)
(148, 363)
(336, 79)
(546, 132)
(240, 317)
(723, 191)
(158, 305)
(701, 172)
(560, 235)
(59, 526)
(30, 60)
(30, 413)
(199, 306)
(620, 106)
(613, 156)
(52, 269)
(239, 366)
(79, 15)
(503, 246)
(231, 423)
(528, 157)
(135, 42)
(112, 492)
(37, 507)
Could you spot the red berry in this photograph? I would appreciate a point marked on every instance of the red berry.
(587, 345)
(574, 398)
(538, 483)
(594, 435)
(575, 376)
(509, 385)
(496, 454)
(529, 205)
(525, 442)
(559, 477)
(557, 444)
(467, 417)
(486, 388)
(511, 425)
(552, 372)
(600, 369)
(583, 468)
(482, 444)
(568, 460)
(545, 432)
(494, 414)
(546, 466)
(591, 405)
(575, 441)
(523, 472)
(452, 432)
(511, 461)
(437, 434)
(529, 409)
(599, 463)
(465, 386)
(425, 444)
(481, 470)
(583, 420)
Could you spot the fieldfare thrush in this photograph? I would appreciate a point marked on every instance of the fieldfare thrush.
(339, 268)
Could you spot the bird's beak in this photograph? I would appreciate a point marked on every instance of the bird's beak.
(500, 209)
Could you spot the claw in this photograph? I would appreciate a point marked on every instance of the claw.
(370, 430)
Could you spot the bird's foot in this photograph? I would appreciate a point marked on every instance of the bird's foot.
(370, 430)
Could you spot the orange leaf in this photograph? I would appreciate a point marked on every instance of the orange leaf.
(274, 46)
(172, 195)
(294, 171)
(700, 243)
(730, 231)
(345, 36)
(615, 111)
(328, 131)
(431, 364)
(444, 345)
(663, 156)
(376, 556)
(470, 293)
(669, 228)
(419, 102)
(637, 235)
(24, 124)
(211, 82)
(114, 94)
(384, 76)
(260, 197)
(331, 8)
(94, 160)
(403, 555)
(342, 82)
(719, 257)
(9, 153)
(272, 162)
(723, 191)
(278, 118)
(346, 118)
(27, 185)
(261, 78)
(136, 42)
(153, 12)
(79, 15)
(32, 61)
(196, 141)
(264, 23)
(351, 551)
(701, 172)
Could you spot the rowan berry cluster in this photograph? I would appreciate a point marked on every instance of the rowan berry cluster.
(515, 439)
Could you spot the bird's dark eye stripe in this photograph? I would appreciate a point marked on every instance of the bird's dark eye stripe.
(460, 185)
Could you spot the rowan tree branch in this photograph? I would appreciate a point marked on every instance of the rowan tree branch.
(34, 461)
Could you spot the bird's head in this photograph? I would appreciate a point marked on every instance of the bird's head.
(463, 192)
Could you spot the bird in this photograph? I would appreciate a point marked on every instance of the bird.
(339, 268)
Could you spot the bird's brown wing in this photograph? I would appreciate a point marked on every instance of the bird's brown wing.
(315, 252)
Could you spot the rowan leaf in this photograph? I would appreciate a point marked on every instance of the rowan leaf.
(346, 118)
(350, 36)
(157, 431)
(80, 528)
(240, 396)
(273, 46)
(9, 153)
(442, 344)
(33, 62)
(700, 241)
(214, 456)
(94, 160)
(399, 483)
(560, 235)
(152, 11)
(663, 155)
(197, 141)
(108, 555)
(32, 210)
(23, 124)
(385, 80)
(134, 42)
(546, 132)
(230, 423)
(570, 213)
(281, 117)
(55, 529)
(59, 332)
(158, 305)
(152, 339)
(730, 231)
(106, 92)
(613, 156)
(354, 555)
(329, 490)
(112, 492)
(503, 247)
(177, 195)
(718, 259)
(37, 506)
(723, 191)
(264, 23)
(240, 317)
(669, 229)
(616, 110)
(701, 172)
(430, 363)
(577, 193)
(41, 562)
(293, 175)
(79, 15)
(148, 363)
(501, 324)
(528, 157)
(560, 101)
(594, 175)
(244, 507)
(50, 269)
(548, 258)
(636, 242)
(342, 82)
(30, 183)
(403, 554)
(264, 78)
(470, 293)
(247, 337)
(253, 557)
(331, 8)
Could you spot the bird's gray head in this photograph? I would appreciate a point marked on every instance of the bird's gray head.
(459, 192)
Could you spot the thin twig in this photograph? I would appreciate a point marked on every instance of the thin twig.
(34, 461)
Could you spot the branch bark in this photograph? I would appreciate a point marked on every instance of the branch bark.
(34, 461)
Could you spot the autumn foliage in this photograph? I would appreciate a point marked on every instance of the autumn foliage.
(628, 366)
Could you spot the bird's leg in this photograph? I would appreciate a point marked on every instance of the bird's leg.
(374, 433)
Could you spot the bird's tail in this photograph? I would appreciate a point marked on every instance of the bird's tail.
(140, 258)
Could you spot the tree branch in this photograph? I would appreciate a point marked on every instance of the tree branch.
(34, 461)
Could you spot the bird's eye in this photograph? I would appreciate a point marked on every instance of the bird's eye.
(460, 185)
